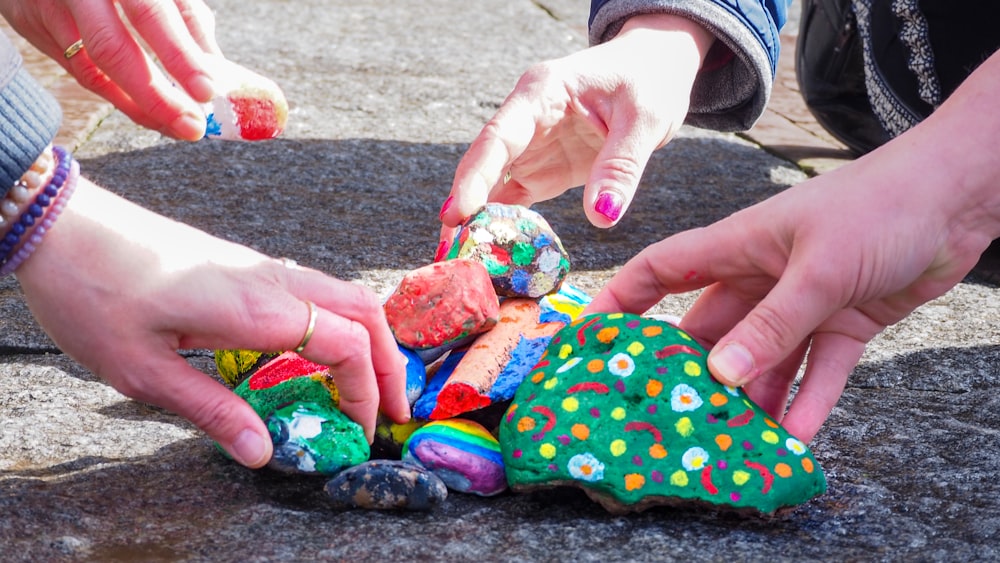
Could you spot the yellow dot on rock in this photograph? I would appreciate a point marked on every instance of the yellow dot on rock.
(769, 436)
(692, 368)
(570, 404)
(684, 335)
(635, 348)
(634, 481)
(679, 478)
(618, 413)
(618, 447)
(564, 351)
(783, 470)
(551, 383)
(684, 426)
(548, 451)
(580, 431)
(740, 477)
(615, 316)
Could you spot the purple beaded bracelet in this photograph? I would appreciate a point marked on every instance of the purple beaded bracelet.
(56, 194)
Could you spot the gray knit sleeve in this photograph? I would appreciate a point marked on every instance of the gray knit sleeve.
(29, 117)
(727, 97)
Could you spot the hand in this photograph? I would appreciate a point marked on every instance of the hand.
(111, 294)
(114, 65)
(591, 118)
(826, 265)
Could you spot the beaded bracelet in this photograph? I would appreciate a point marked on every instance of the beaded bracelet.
(58, 191)
(24, 190)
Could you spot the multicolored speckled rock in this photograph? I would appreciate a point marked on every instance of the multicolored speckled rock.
(386, 485)
(522, 253)
(624, 407)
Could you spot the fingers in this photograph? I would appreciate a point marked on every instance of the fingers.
(162, 25)
(486, 162)
(113, 56)
(171, 383)
(200, 22)
(618, 168)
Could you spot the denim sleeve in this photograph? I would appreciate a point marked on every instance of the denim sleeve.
(735, 82)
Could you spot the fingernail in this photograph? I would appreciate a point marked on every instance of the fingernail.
(201, 88)
(446, 206)
(189, 126)
(732, 364)
(250, 448)
(442, 251)
(609, 204)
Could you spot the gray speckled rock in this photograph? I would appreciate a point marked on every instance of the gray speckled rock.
(385, 484)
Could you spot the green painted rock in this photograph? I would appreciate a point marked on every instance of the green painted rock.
(298, 400)
(624, 408)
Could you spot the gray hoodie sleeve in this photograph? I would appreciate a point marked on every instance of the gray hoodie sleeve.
(29, 117)
(734, 85)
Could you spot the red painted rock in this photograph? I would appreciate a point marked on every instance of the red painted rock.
(248, 106)
(442, 303)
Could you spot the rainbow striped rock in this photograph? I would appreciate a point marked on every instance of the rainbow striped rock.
(462, 453)
(624, 408)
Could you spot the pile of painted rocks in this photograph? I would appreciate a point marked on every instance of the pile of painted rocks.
(510, 387)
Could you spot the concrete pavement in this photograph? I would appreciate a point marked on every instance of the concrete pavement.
(385, 97)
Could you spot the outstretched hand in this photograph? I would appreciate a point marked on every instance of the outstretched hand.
(114, 63)
(121, 289)
(593, 118)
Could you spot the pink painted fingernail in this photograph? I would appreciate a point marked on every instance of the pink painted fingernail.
(609, 204)
(446, 206)
(733, 364)
(442, 251)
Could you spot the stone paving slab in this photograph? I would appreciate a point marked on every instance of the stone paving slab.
(385, 97)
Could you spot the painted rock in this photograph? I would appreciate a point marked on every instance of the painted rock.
(416, 374)
(624, 407)
(490, 370)
(248, 106)
(462, 453)
(390, 437)
(309, 438)
(564, 305)
(298, 401)
(441, 303)
(386, 485)
(522, 253)
(236, 365)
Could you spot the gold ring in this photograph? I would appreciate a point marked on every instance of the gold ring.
(309, 329)
(506, 177)
(73, 49)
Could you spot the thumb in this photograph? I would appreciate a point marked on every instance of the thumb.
(617, 170)
(771, 331)
(212, 407)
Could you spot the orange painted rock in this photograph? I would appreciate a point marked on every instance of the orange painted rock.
(442, 303)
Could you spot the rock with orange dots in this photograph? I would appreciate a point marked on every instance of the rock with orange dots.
(624, 408)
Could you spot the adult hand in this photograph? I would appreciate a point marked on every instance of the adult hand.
(114, 64)
(823, 266)
(591, 118)
(121, 289)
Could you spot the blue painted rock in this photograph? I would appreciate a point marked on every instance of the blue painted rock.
(309, 438)
(386, 485)
(298, 400)
(442, 303)
(490, 370)
(624, 408)
(521, 252)
(416, 374)
(565, 305)
(462, 453)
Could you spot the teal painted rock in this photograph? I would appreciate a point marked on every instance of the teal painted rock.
(624, 408)
(521, 252)
(386, 485)
(298, 401)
